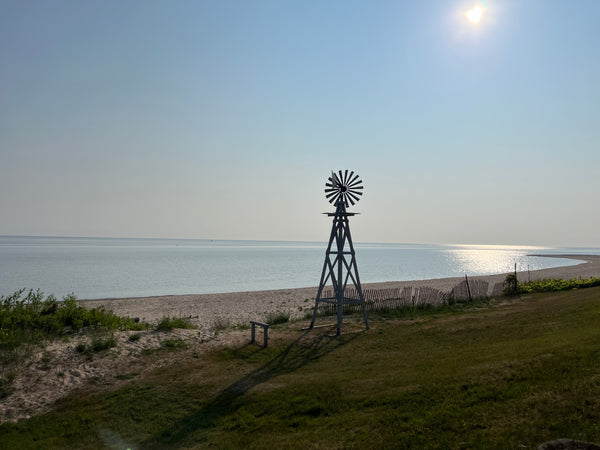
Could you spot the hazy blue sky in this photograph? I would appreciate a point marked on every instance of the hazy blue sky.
(223, 119)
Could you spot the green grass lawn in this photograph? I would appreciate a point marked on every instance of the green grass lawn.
(506, 375)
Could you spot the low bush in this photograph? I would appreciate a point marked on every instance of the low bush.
(167, 324)
(127, 376)
(173, 344)
(551, 284)
(277, 318)
(101, 344)
(98, 344)
(6, 384)
(511, 284)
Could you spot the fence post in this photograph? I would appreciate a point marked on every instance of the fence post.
(468, 288)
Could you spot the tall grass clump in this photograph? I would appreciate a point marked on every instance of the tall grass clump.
(98, 344)
(32, 318)
(27, 318)
(169, 323)
(277, 318)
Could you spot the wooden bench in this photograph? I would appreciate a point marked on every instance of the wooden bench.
(265, 327)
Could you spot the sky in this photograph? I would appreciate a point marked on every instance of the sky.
(223, 119)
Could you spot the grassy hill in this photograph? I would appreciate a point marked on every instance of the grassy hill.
(509, 374)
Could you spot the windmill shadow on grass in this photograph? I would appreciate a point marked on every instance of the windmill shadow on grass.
(307, 348)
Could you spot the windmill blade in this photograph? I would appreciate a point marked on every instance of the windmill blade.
(346, 177)
(356, 183)
(332, 194)
(353, 180)
(356, 190)
(355, 195)
(353, 198)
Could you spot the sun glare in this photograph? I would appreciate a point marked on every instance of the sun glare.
(474, 15)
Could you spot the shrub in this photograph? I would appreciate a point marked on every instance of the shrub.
(511, 284)
(167, 324)
(81, 347)
(6, 384)
(98, 344)
(278, 318)
(135, 337)
(551, 284)
(127, 376)
(174, 343)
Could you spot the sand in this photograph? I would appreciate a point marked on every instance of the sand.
(50, 373)
(210, 310)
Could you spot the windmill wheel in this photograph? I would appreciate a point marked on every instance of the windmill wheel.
(343, 187)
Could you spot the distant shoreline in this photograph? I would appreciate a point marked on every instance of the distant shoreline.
(241, 307)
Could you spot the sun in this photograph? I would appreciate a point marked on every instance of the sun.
(474, 15)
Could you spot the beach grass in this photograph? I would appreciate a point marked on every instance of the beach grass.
(506, 374)
(170, 323)
(28, 320)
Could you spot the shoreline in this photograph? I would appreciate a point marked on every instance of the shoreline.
(207, 310)
(36, 389)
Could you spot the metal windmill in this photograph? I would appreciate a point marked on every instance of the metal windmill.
(342, 189)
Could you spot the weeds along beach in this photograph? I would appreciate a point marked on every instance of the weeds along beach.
(209, 310)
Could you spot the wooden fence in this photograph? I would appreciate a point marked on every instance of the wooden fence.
(393, 299)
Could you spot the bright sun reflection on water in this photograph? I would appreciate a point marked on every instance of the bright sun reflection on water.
(487, 259)
(498, 247)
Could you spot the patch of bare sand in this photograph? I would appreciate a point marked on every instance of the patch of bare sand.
(55, 370)
(50, 374)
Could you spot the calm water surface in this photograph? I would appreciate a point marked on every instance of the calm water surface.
(107, 267)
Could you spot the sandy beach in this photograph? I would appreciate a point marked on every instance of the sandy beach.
(208, 310)
(53, 372)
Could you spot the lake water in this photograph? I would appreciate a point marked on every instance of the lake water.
(108, 267)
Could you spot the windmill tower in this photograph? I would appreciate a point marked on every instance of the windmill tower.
(339, 268)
